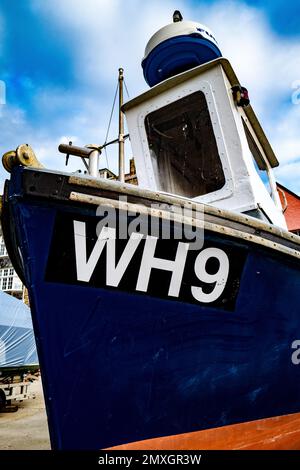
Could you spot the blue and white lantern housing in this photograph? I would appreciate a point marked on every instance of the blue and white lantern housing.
(178, 47)
(195, 134)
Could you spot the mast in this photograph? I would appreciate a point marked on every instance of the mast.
(121, 127)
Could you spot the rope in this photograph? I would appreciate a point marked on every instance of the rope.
(109, 123)
(126, 88)
(110, 118)
(106, 158)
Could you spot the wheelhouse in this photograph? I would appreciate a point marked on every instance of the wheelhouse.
(190, 137)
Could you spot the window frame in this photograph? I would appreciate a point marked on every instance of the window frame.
(171, 165)
(7, 279)
(171, 97)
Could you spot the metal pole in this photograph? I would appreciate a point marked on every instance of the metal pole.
(121, 128)
(94, 163)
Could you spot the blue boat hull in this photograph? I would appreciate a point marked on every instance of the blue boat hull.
(121, 366)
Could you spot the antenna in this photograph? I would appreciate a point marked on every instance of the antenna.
(121, 127)
(92, 152)
(177, 16)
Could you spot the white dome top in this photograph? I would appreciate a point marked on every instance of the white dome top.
(179, 28)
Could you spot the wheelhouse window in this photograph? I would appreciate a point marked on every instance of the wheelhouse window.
(183, 147)
(3, 251)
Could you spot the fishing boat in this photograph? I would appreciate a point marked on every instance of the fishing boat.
(166, 314)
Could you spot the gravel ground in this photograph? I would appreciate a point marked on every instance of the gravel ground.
(27, 428)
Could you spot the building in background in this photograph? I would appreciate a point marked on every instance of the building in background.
(130, 177)
(9, 280)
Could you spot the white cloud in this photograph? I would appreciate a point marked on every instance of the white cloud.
(265, 62)
(107, 34)
(285, 134)
(288, 175)
(85, 116)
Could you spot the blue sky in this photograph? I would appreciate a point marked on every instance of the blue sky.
(59, 60)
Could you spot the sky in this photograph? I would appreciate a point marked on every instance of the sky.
(59, 63)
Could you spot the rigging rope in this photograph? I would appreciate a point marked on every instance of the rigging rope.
(110, 119)
(126, 88)
(109, 123)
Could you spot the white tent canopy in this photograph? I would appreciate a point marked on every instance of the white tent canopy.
(17, 343)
